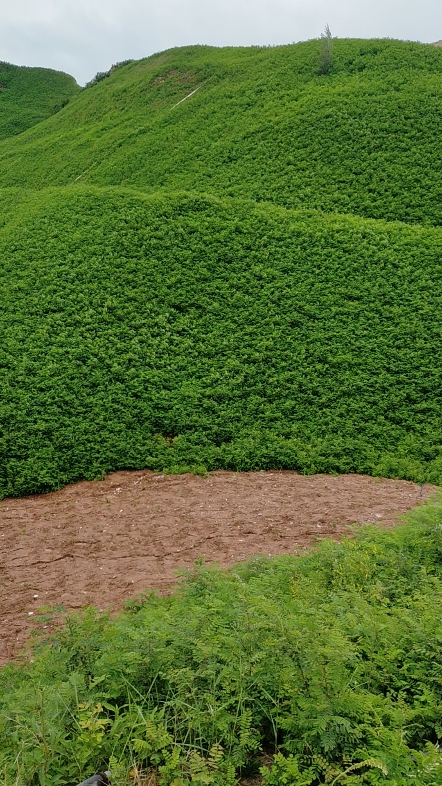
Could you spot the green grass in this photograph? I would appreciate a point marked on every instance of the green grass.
(30, 95)
(183, 331)
(332, 661)
(263, 125)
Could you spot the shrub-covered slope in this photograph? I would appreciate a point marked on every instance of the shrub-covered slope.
(30, 95)
(364, 139)
(333, 658)
(176, 331)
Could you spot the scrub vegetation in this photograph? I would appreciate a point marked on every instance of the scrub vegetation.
(30, 95)
(177, 332)
(329, 663)
(209, 328)
(262, 125)
(231, 258)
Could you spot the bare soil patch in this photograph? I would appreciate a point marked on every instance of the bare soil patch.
(103, 542)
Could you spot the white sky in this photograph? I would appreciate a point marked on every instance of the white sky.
(86, 36)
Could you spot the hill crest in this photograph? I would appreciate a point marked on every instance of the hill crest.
(260, 124)
(30, 95)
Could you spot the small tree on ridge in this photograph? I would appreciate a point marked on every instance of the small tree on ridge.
(326, 57)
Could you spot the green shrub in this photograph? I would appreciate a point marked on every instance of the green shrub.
(99, 76)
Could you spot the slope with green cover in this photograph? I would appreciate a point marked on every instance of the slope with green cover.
(182, 330)
(332, 661)
(30, 95)
(149, 328)
(262, 125)
(176, 331)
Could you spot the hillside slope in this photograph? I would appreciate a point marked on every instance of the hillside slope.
(30, 95)
(176, 331)
(208, 328)
(261, 125)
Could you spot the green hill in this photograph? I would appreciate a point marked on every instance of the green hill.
(262, 125)
(158, 311)
(180, 331)
(30, 95)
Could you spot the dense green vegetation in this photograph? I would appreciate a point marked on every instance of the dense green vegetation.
(333, 661)
(30, 95)
(181, 331)
(263, 125)
(157, 310)
(211, 328)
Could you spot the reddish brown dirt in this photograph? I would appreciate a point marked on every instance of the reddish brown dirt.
(103, 542)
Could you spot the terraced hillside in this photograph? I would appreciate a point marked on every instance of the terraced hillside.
(168, 329)
(30, 95)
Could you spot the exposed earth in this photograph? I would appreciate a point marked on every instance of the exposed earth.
(103, 542)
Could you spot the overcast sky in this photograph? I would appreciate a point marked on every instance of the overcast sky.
(86, 36)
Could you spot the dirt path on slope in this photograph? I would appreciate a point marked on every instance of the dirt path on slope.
(103, 542)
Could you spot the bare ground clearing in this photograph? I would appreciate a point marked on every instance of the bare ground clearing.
(103, 542)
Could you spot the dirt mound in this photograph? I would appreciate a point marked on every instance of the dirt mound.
(103, 542)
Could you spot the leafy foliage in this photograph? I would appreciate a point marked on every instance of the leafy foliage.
(186, 330)
(30, 95)
(262, 125)
(181, 332)
(331, 661)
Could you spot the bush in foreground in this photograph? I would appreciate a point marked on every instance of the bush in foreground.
(330, 663)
